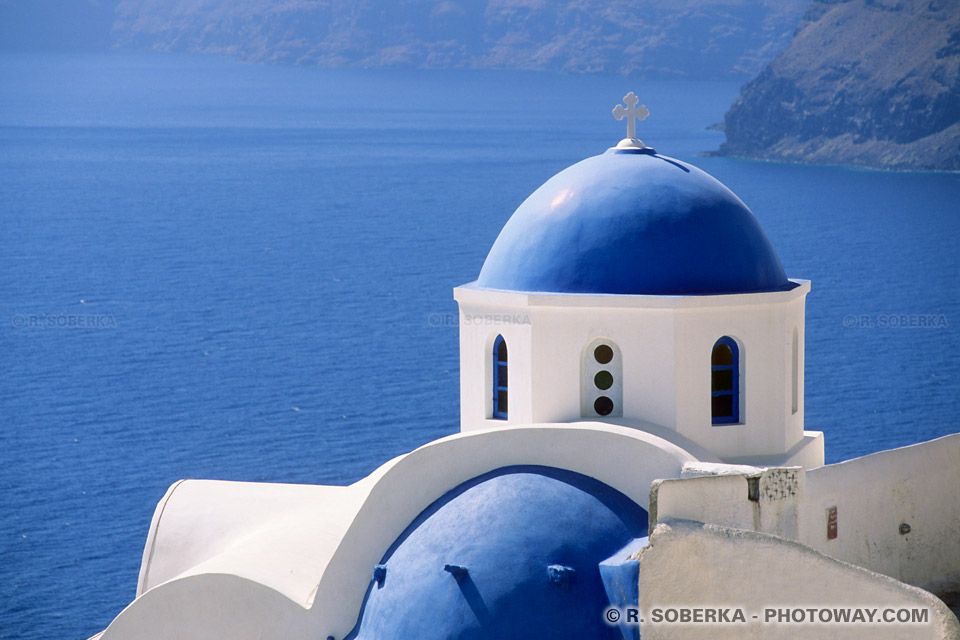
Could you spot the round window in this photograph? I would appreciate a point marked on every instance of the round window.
(603, 354)
(603, 406)
(603, 380)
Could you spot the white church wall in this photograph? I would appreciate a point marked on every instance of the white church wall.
(917, 486)
(562, 334)
(481, 322)
(718, 500)
(211, 607)
(762, 326)
(795, 341)
(763, 500)
(198, 521)
(869, 497)
(808, 453)
(557, 346)
(549, 333)
(689, 564)
(664, 345)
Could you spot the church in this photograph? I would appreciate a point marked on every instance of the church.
(632, 461)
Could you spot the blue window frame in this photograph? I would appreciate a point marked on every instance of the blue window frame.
(725, 381)
(500, 378)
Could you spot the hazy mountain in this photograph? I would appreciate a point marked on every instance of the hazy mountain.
(864, 82)
(684, 38)
(30, 25)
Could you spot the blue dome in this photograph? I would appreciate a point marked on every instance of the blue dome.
(521, 547)
(631, 221)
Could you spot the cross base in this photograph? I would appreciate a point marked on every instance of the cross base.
(631, 143)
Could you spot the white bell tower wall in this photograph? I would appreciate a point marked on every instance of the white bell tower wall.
(659, 369)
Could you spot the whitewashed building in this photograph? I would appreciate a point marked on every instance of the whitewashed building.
(632, 436)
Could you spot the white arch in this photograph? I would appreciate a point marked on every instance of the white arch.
(626, 459)
(295, 561)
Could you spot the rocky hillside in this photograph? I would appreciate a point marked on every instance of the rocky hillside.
(681, 38)
(872, 83)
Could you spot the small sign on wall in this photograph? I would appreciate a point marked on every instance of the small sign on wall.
(832, 523)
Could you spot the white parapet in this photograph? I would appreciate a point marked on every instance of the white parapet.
(781, 589)
(895, 512)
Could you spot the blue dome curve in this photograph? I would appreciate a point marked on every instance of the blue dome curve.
(505, 529)
(630, 221)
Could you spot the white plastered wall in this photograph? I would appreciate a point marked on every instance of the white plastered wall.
(665, 344)
(480, 324)
(694, 565)
(917, 486)
(764, 335)
(874, 495)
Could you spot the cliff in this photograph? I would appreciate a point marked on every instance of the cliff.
(870, 83)
(685, 38)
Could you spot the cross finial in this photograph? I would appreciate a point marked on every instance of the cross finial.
(632, 111)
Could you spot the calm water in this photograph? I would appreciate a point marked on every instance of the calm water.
(260, 251)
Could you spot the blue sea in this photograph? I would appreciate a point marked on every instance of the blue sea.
(217, 270)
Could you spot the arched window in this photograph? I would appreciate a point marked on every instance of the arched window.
(500, 378)
(725, 381)
(601, 380)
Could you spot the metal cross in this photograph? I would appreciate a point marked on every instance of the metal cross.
(631, 112)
